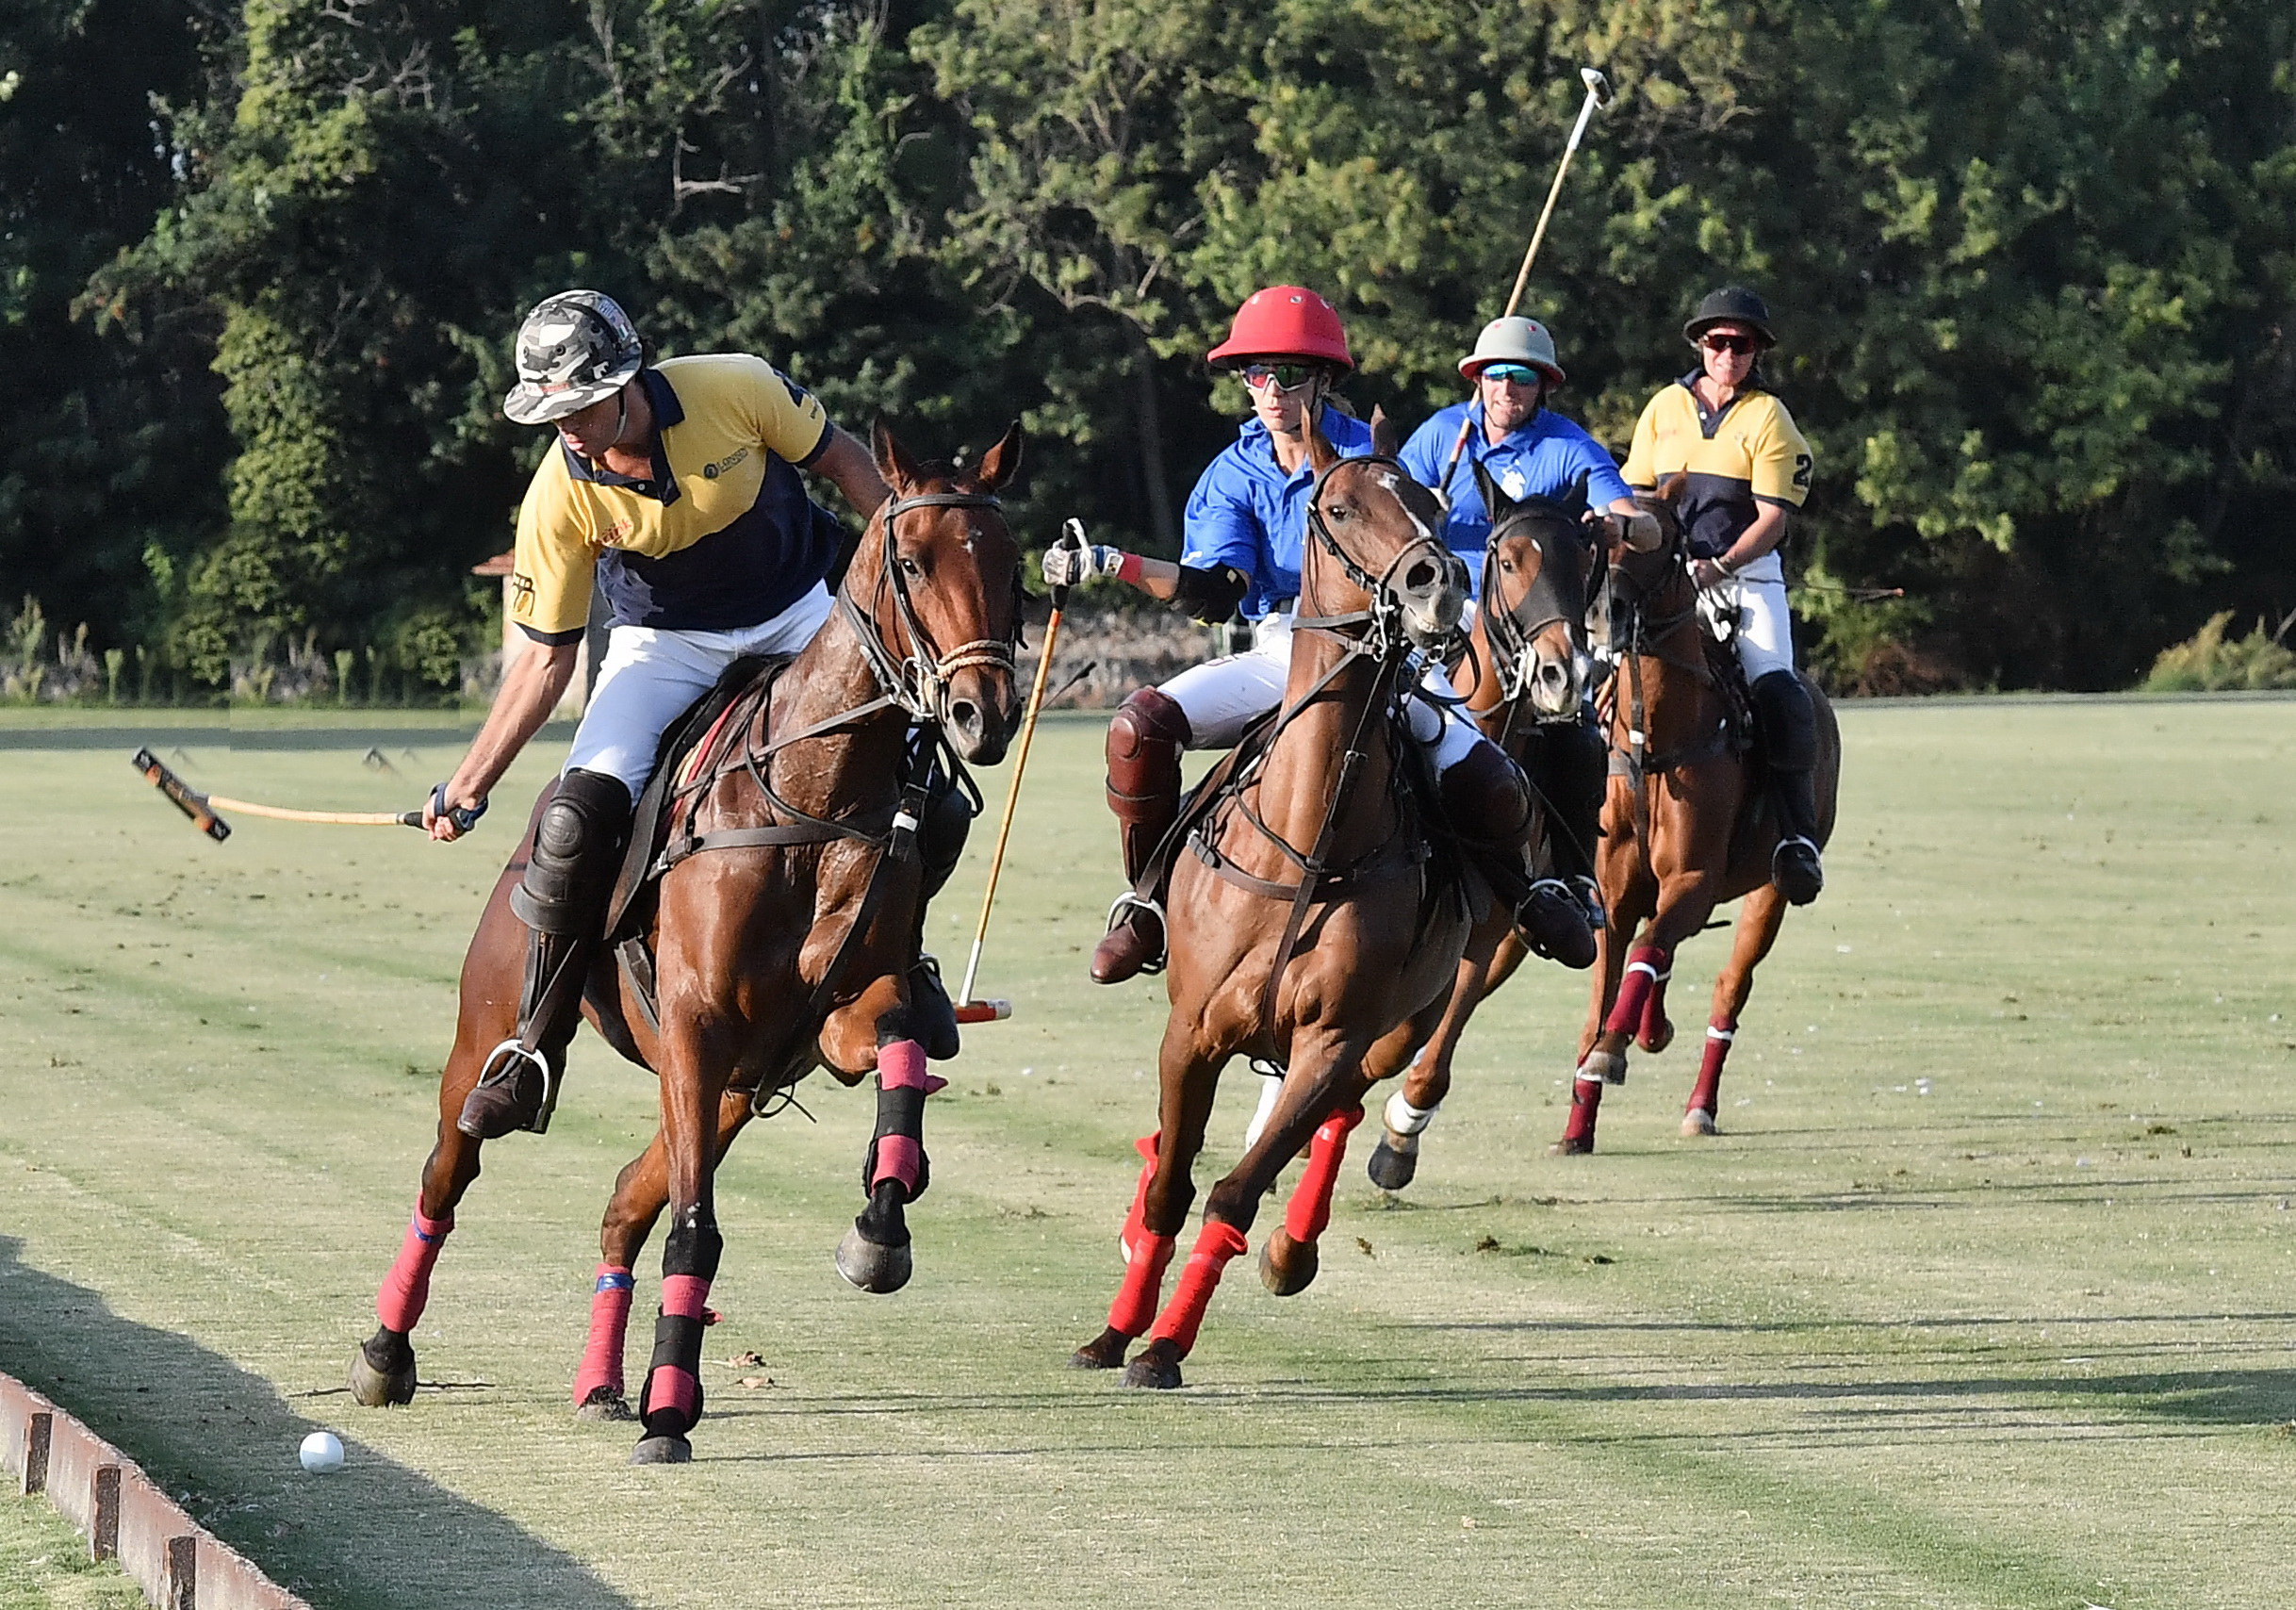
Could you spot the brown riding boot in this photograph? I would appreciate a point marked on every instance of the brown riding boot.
(1144, 744)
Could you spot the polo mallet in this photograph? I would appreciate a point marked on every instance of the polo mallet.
(1072, 534)
(201, 808)
(1597, 94)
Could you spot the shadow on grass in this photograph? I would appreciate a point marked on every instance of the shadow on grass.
(222, 1441)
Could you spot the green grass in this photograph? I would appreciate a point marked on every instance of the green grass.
(44, 1564)
(2023, 1339)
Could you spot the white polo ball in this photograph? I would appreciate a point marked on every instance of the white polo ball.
(321, 1451)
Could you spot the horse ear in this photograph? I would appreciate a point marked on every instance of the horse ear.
(1495, 499)
(893, 461)
(1386, 441)
(1321, 455)
(1001, 462)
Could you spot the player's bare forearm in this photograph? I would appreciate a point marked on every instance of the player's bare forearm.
(847, 465)
(537, 679)
(1159, 578)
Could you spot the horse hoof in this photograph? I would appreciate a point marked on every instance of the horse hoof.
(1655, 1040)
(1571, 1146)
(877, 1268)
(605, 1403)
(1609, 1066)
(387, 1386)
(1696, 1124)
(662, 1450)
(1104, 1352)
(1153, 1369)
(1390, 1169)
(1294, 1272)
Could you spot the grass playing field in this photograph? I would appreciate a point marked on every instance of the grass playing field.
(1982, 1300)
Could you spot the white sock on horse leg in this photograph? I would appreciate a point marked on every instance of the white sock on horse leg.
(1404, 1119)
(1270, 1087)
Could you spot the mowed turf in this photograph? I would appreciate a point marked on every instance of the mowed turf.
(1982, 1298)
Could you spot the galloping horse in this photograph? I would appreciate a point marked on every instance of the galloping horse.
(1686, 826)
(1309, 927)
(1527, 647)
(782, 939)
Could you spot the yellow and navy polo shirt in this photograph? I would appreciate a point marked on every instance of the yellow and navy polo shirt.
(1747, 454)
(719, 535)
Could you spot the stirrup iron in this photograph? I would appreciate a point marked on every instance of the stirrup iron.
(503, 1062)
(1131, 900)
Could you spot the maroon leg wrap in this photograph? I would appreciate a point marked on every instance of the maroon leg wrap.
(1585, 1098)
(1706, 1095)
(1644, 964)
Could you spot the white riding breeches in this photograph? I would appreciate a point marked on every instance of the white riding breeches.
(650, 677)
(1764, 634)
(1221, 698)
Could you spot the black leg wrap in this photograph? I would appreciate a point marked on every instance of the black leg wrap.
(899, 1112)
(692, 1250)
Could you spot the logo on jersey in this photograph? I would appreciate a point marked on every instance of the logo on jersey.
(619, 533)
(521, 594)
(711, 471)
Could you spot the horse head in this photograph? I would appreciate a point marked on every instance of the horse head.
(1655, 577)
(1535, 575)
(942, 585)
(1385, 531)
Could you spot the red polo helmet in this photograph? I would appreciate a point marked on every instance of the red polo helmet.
(1284, 320)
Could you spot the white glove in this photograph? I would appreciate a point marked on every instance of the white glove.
(1066, 564)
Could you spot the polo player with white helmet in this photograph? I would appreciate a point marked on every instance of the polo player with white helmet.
(673, 489)
(1241, 554)
(1530, 450)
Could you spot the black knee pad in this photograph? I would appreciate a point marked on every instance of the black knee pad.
(1569, 763)
(576, 847)
(1487, 797)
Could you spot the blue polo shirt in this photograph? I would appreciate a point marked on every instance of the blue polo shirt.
(1246, 513)
(1539, 459)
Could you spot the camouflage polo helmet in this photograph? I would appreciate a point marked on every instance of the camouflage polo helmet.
(575, 349)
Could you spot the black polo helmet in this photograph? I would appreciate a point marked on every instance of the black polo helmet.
(1731, 304)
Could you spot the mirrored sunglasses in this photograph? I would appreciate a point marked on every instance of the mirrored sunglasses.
(1522, 374)
(1283, 376)
(1738, 344)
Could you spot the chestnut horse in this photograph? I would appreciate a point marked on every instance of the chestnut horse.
(1307, 926)
(1528, 651)
(784, 944)
(1686, 824)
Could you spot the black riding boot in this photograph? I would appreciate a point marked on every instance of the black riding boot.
(1569, 763)
(949, 820)
(1488, 801)
(569, 877)
(1786, 722)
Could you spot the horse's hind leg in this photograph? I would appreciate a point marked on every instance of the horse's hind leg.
(383, 1370)
(1757, 923)
(1188, 1078)
(1491, 957)
(639, 1195)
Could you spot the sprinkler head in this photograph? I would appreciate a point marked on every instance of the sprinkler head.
(1597, 86)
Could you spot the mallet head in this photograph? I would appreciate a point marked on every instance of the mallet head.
(1597, 86)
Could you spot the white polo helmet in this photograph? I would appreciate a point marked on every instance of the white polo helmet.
(1514, 339)
(575, 349)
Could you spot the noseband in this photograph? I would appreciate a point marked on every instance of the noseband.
(1385, 635)
(918, 680)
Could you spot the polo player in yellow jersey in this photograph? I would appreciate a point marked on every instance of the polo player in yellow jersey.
(673, 490)
(1748, 468)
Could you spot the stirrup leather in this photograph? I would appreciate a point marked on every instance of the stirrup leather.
(1129, 901)
(503, 1063)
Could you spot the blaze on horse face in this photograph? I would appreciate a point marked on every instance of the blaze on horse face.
(1534, 593)
(1386, 527)
(965, 632)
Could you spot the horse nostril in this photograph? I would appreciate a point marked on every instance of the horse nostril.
(964, 716)
(1420, 578)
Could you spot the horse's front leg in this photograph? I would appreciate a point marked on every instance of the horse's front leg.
(1189, 1076)
(640, 1193)
(1427, 1076)
(875, 1254)
(1758, 923)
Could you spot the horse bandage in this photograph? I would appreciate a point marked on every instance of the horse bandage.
(601, 1356)
(406, 1290)
(1404, 1119)
(1134, 1309)
(1183, 1317)
(1645, 966)
(897, 1151)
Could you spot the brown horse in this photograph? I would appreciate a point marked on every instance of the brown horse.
(784, 940)
(1309, 927)
(1687, 825)
(1526, 648)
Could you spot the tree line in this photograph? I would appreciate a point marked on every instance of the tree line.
(260, 263)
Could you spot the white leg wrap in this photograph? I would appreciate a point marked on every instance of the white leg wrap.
(1404, 1119)
(1270, 1087)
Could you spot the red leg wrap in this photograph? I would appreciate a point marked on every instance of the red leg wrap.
(1644, 962)
(602, 1359)
(1130, 1236)
(1706, 1095)
(1216, 1243)
(406, 1290)
(1134, 1309)
(1309, 1212)
(1585, 1097)
(1654, 1011)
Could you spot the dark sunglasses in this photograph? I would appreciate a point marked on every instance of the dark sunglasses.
(1283, 376)
(1738, 344)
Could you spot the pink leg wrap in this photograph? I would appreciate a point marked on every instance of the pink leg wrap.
(1134, 1309)
(1309, 1212)
(601, 1359)
(407, 1288)
(670, 1386)
(1585, 1096)
(1706, 1095)
(901, 1066)
(1644, 962)
(1134, 1222)
(1216, 1243)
